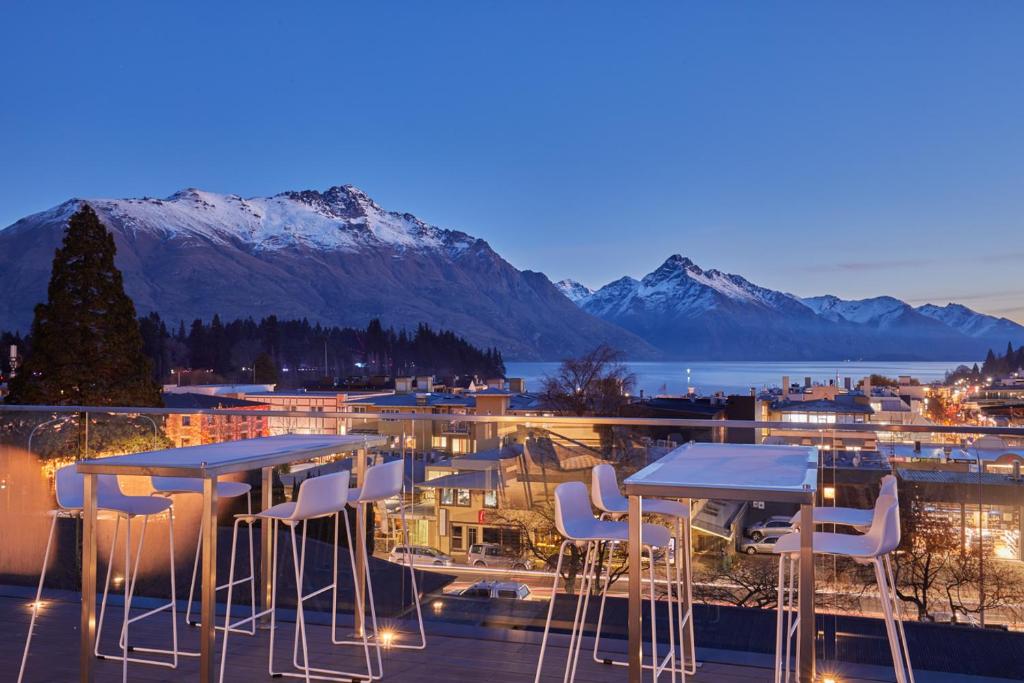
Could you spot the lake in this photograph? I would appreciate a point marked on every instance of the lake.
(708, 377)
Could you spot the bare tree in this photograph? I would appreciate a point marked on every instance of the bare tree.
(962, 580)
(743, 582)
(597, 383)
(928, 542)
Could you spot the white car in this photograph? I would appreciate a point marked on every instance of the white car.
(497, 589)
(775, 526)
(421, 555)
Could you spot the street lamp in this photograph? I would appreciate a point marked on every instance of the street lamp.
(41, 425)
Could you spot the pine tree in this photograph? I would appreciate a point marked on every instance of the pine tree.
(86, 344)
(264, 370)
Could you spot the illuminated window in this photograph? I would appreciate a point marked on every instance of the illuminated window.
(490, 499)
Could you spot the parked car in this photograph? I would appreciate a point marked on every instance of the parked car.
(777, 525)
(493, 556)
(764, 544)
(421, 554)
(497, 589)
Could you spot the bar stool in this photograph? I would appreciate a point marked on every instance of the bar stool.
(882, 538)
(606, 496)
(171, 486)
(380, 483)
(323, 496)
(70, 490)
(575, 520)
(858, 518)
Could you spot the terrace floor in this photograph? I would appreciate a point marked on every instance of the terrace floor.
(502, 657)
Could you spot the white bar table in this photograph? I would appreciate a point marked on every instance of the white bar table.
(778, 474)
(206, 463)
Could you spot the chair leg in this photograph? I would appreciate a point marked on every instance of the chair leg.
(39, 593)
(106, 587)
(365, 638)
(582, 605)
(890, 626)
(231, 590)
(905, 646)
(300, 617)
(671, 617)
(551, 610)
(415, 589)
(780, 605)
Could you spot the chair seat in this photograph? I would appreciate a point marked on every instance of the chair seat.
(666, 508)
(604, 530)
(854, 517)
(654, 506)
(850, 545)
(225, 489)
(135, 506)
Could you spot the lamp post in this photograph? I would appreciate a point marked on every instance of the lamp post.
(40, 426)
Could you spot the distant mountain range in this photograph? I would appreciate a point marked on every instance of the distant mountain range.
(337, 257)
(690, 312)
(334, 257)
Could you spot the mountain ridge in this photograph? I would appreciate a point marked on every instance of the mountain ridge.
(333, 256)
(684, 309)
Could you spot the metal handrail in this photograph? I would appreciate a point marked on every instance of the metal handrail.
(535, 419)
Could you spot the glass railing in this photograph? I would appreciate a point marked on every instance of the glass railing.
(477, 508)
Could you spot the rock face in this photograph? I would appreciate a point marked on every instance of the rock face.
(690, 312)
(334, 257)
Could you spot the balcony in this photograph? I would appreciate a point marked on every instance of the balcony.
(976, 500)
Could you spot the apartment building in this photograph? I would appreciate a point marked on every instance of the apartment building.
(194, 429)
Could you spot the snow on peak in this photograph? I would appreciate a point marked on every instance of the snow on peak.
(340, 218)
(574, 290)
(970, 322)
(880, 309)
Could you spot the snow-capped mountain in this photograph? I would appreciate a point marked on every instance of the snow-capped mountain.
(334, 257)
(691, 312)
(880, 311)
(974, 324)
(575, 291)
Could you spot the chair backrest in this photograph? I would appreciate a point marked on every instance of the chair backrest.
(604, 490)
(383, 481)
(885, 525)
(572, 509)
(321, 495)
(70, 485)
(888, 487)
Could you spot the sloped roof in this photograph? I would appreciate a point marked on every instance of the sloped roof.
(206, 401)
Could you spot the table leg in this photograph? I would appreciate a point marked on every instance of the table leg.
(684, 554)
(208, 616)
(266, 546)
(88, 623)
(808, 625)
(633, 616)
(355, 546)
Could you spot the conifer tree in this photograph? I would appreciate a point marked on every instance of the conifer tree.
(86, 344)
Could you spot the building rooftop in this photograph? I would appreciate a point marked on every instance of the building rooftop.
(182, 401)
(840, 405)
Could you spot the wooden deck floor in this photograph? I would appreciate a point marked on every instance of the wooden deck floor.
(450, 659)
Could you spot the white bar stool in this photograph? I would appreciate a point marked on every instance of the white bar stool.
(383, 482)
(872, 548)
(575, 520)
(606, 496)
(858, 518)
(171, 486)
(323, 496)
(70, 489)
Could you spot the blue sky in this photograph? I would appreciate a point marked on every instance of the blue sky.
(857, 149)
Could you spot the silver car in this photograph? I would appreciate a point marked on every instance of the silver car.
(497, 589)
(493, 556)
(777, 525)
(764, 544)
(421, 555)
